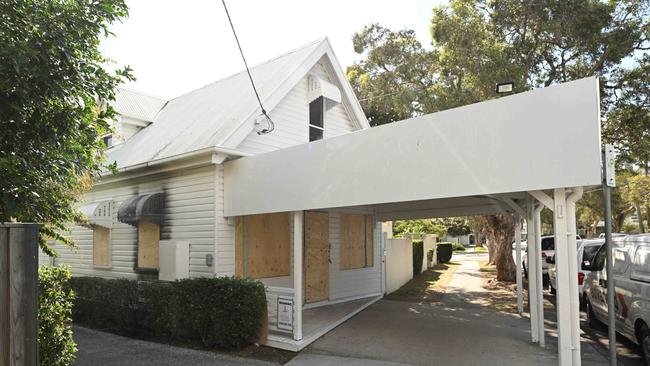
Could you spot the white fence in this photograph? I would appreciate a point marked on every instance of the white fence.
(399, 263)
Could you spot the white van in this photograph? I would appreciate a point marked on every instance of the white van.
(631, 273)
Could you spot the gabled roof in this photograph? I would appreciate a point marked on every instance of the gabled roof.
(222, 114)
(138, 105)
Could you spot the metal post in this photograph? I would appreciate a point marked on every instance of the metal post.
(539, 277)
(18, 294)
(298, 243)
(520, 295)
(563, 297)
(532, 273)
(574, 297)
(607, 198)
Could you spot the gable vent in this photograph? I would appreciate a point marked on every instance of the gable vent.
(317, 87)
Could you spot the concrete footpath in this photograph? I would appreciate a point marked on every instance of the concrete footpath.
(460, 330)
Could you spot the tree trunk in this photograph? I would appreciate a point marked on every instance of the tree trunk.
(501, 231)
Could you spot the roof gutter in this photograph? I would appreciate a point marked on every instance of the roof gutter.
(191, 154)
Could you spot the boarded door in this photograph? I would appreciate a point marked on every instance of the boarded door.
(317, 255)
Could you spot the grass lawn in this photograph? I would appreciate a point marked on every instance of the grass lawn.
(428, 286)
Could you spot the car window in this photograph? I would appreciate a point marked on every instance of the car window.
(620, 262)
(590, 252)
(599, 260)
(548, 244)
(641, 264)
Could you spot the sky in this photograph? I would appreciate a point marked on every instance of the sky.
(175, 46)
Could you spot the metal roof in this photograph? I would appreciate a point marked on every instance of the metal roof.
(137, 105)
(210, 116)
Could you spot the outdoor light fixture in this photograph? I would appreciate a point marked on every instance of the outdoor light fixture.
(505, 87)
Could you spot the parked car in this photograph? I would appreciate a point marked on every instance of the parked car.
(587, 250)
(614, 235)
(631, 276)
(548, 249)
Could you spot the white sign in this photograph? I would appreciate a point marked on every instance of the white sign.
(610, 166)
(285, 313)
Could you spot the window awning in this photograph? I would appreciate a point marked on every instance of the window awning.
(99, 213)
(318, 87)
(146, 207)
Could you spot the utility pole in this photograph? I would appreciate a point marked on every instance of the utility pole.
(609, 180)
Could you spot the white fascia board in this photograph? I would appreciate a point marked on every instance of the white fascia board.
(538, 140)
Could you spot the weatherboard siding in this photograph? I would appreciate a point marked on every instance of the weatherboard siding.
(189, 216)
(291, 118)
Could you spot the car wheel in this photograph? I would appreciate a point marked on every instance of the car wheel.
(644, 341)
(592, 321)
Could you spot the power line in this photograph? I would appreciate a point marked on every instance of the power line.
(257, 95)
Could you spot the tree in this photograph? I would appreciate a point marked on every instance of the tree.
(51, 117)
(476, 43)
(425, 226)
(454, 226)
(501, 229)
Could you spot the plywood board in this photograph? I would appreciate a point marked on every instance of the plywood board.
(101, 246)
(239, 246)
(267, 242)
(317, 256)
(353, 241)
(148, 244)
(370, 241)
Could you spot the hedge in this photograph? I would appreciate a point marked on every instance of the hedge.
(418, 256)
(224, 312)
(457, 247)
(444, 251)
(55, 302)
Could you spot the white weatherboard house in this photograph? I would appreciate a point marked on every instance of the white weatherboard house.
(163, 216)
(200, 193)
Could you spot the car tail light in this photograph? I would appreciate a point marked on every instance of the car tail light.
(543, 255)
(581, 278)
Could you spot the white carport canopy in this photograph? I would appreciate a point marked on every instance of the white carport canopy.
(517, 154)
(543, 139)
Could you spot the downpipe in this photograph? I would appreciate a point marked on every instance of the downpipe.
(571, 200)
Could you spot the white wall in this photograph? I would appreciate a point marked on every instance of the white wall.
(291, 118)
(399, 263)
(188, 216)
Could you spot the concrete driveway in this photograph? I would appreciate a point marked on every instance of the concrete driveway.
(460, 330)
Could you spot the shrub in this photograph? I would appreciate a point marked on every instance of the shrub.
(418, 256)
(457, 247)
(225, 312)
(444, 251)
(55, 302)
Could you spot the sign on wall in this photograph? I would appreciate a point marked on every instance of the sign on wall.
(285, 313)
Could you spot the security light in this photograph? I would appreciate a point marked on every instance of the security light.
(505, 87)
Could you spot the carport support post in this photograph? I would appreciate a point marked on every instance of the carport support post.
(539, 277)
(532, 273)
(575, 195)
(298, 238)
(520, 296)
(564, 324)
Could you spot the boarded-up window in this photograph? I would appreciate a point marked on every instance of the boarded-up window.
(356, 241)
(262, 245)
(101, 246)
(148, 244)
